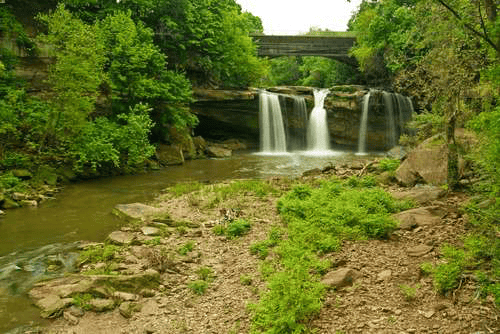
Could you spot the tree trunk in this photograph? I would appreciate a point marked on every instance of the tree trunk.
(453, 176)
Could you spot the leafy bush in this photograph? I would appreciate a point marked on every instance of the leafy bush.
(198, 287)
(186, 248)
(237, 228)
(389, 165)
(317, 220)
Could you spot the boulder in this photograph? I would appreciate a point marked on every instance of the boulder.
(102, 305)
(9, 204)
(52, 305)
(421, 195)
(410, 219)
(218, 152)
(419, 250)
(428, 163)
(126, 309)
(340, 278)
(135, 211)
(126, 296)
(150, 231)
(22, 174)
(121, 238)
(168, 155)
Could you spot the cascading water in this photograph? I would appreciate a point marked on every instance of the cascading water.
(300, 112)
(391, 125)
(318, 137)
(364, 124)
(272, 131)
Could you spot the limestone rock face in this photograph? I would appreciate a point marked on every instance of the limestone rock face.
(235, 114)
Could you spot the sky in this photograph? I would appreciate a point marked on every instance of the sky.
(292, 17)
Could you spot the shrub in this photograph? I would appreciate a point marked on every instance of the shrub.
(186, 248)
(237, 228)
(198, 287)
(389, 165)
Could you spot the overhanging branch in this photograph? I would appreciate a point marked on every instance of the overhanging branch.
(469, 27)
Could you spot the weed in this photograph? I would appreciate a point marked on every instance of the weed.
(447, 275)
(182, 188)
(426, 268)
(392, 319)
(318, 218)
(186, 248)
(246, 280)
(198, 287)
(409, 292)
(205, 274)
(160, 258)
(237, 228)
(98, 253)
(82, 301)
(260, 248)
(389, 165)
(233, 229)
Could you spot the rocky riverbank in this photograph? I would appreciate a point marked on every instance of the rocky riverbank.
(170, 270)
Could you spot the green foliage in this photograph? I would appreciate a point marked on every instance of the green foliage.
(198, 287)
(121, 143)
(237, 228)
(99, 253)
(8, 181)
(186, 248)
(409, 292)
(82, 301)
(182, 188)
(389, 165)
(205, 274)
(317, 220)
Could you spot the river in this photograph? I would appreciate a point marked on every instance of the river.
(30, 238)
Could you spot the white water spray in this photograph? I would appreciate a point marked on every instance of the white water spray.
(318, 137)
(363, 125)
(272, 131)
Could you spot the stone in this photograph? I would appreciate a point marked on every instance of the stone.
(70, 318)
(135, 211)
(76, 311)
(384, 275)
(421, 195)
(150, 231)
(419, 250)
(52, 305)
(31, 203)
(218, 152)
(126, 296)
(427, 163)
(126, 309)
(168, 155)
(9, 204)
(340, 278)
(150, 307)
(2, 213)
(16, 196)
(22, 174)
(397, 152)
(312, 172)
(102, 305)
(121, 238)
(412, 218)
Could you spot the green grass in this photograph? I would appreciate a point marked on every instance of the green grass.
(389, 165)
(182, 188)
(98, 253)
(198, 287)
(186, 248)
(317, 220)
(233, 229)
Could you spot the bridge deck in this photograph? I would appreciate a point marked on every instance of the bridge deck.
(336, 47)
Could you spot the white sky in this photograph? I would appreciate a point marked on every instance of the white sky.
(291, 17)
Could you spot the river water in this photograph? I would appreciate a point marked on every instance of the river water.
(31, 238)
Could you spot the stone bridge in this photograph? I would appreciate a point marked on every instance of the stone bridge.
(335, 47)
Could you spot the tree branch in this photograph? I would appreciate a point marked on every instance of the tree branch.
(469, 27)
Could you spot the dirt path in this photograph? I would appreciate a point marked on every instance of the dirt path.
(391, 295)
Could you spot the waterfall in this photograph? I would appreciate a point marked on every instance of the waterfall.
(300, 112)
(363, 125)
(318, 137)
(391, 125)
(272, 131)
